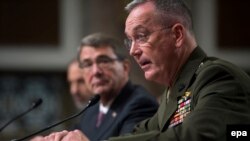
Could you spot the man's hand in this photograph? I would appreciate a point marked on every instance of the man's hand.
(75, 135)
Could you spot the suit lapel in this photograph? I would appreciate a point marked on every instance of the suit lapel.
(107, 122)
(182, 83)
(115, 109)
(89, 121)
(161, 108)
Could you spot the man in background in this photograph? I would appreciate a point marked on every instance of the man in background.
(106, 73)
(78, 89)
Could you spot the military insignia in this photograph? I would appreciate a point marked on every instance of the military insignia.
(114, 114)
(183, 109)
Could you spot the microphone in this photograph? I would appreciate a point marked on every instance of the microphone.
(34, 105)
(91, 102)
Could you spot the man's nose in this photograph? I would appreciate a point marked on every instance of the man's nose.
(96, 69)
(134, 50)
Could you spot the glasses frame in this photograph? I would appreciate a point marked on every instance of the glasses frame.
(101, 63)
(142, 39)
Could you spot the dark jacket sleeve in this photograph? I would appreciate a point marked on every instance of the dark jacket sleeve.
(141, 107)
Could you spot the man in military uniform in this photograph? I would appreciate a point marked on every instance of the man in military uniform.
(204, 95)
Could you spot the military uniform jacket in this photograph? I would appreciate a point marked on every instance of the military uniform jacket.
(132, 105)
(208, 95)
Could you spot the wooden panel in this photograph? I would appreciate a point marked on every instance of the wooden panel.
(29, 22)
(233, 24)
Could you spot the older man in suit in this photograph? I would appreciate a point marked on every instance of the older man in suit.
(106, 73)
(122, 104)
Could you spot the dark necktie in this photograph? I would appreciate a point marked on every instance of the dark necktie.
(99, 118)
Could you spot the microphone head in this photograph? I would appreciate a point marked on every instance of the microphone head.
(94, 100)
(38, 102)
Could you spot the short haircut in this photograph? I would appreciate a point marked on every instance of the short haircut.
(97, 40)
(169, 10)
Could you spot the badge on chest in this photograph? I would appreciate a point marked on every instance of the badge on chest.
(183, 109)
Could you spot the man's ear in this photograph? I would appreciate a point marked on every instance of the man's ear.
(178, 30)
(126, 65)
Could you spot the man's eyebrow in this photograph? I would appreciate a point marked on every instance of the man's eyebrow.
(85, 59)
(140, 27)
(103, 55)
(136, 29)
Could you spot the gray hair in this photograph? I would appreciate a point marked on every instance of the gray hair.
(97, 40)
(169, 10)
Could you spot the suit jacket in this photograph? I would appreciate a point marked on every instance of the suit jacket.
(208, 95)
(132, 105)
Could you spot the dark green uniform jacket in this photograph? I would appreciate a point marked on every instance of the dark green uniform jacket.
(208, 95)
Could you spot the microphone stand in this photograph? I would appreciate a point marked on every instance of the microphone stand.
(93, 101)
(34, 105)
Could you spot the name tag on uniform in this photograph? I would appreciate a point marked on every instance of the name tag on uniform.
(183, 109)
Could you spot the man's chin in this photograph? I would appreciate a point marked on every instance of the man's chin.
(149, 76)
(99, 90)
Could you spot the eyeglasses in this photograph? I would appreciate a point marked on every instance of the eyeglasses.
(101, 61)
(141, 38)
